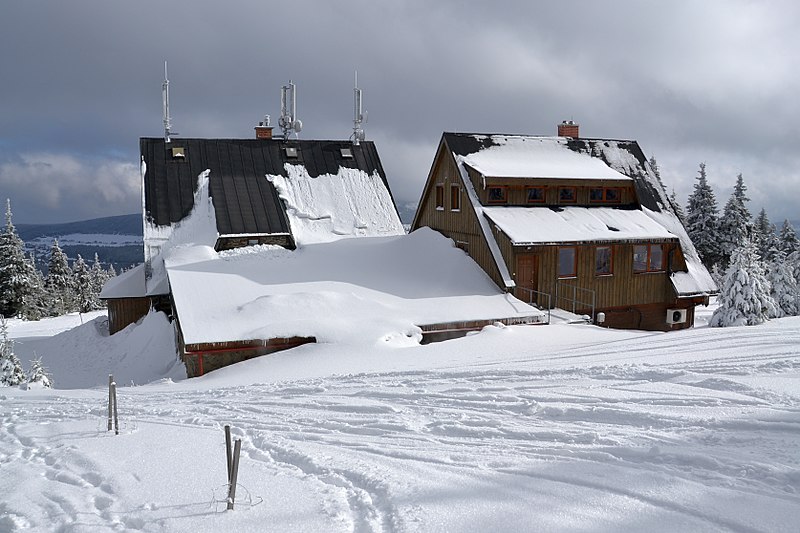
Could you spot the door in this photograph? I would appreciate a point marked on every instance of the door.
(527, 275)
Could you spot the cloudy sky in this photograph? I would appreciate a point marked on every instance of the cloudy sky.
(80, 82)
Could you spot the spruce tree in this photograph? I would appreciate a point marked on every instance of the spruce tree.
(676, 206)
(59, 284)
(656, 169)
(765, 237)
(85, 297)
(16, 274)
(38, 376)
(702, 223)
(34, 305)
(788, 238)
(744, 298)
(735, 224)
(98, 278)
(11, 373)
(783, 286)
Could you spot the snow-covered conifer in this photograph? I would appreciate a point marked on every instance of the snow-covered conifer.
(788, 238)
(85, 296)
(34, 305)
(783, 286)
(656, 169)
(98, 277)
(735, 224)
(59, 284)
(702, 223)
(764, 236)
(744, 298)
(11, 373)
(676, 206)
(38, 376)
(16, 274)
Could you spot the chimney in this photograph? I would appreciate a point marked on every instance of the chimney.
(264, 130)
(568, 128)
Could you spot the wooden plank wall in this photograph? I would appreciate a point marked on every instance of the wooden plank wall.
(125, 311)
(460, 225)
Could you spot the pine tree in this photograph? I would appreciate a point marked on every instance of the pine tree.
(59, 285)
(788, 238)
(784, 288)
(16, 274)
(656, 169)
(38, 376)
(84, 292)
(735, 224)
(676, 206)
(98, 278)
(765, 237)
(744, 299)
(11, 373)
(34, 305)
(702, 220)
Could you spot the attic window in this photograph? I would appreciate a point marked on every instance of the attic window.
(347, 153)
(291, 151)
(178, 152)
(497, 195)
(567, 195)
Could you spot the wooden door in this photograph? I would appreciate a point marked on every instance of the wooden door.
(527, 275)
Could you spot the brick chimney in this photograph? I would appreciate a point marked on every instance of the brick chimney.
(568, 128)
(264, 130)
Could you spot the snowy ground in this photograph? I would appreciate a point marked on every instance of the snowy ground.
(528, 428)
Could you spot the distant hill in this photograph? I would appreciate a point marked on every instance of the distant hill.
(116, 240)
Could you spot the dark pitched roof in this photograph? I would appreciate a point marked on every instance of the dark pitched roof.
(245, 202)
(634, 165)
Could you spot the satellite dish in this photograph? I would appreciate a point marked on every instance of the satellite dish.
(297, 126)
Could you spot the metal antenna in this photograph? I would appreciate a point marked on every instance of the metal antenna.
(358, 116)
(165, 102)
(289, 122)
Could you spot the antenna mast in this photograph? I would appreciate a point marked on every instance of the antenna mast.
(289, 122)
(358, 116)
(165, 102)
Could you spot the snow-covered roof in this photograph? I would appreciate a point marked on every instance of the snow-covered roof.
(380, 287)
(540, 225)
(128, 284)
(328, 207)
(517, 156)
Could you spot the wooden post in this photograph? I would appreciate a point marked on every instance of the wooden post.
(234, 473)
(228, 451)
(110, 381)
(116, 414)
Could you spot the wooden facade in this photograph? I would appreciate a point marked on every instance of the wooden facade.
(123, 312)
(627, 297)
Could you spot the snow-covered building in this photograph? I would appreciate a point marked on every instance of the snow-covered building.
(252, 246)
(569, 222)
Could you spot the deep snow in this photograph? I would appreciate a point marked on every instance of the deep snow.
(525, 428)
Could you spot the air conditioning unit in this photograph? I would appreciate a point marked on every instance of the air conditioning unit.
(676, 316)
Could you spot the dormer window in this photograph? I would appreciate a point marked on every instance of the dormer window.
(497, 195)
(535, 195)
(567, 195)
(605, 195)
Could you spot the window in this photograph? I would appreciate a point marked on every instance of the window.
(566, 262)
(497, 195)
(648, 258)
(603, 261)
(347, 153)
(455, 198)
(290, 151)
(567, 195)
(440, 197)
(535, 195)
(607, 195)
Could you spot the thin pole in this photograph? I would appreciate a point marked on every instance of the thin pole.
(228, 451)
(116, 414)
(110, 381)
(234, 474)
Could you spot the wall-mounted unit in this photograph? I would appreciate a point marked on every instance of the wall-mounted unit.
(676, 316)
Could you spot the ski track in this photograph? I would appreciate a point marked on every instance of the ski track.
(690, 422)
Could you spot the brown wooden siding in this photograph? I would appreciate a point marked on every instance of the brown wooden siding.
(230, 242)
(203, 358)
(123, 312)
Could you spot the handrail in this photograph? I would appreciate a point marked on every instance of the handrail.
(575, 299)
(533, 301)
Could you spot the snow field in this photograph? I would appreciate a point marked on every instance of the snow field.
(558, 428)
